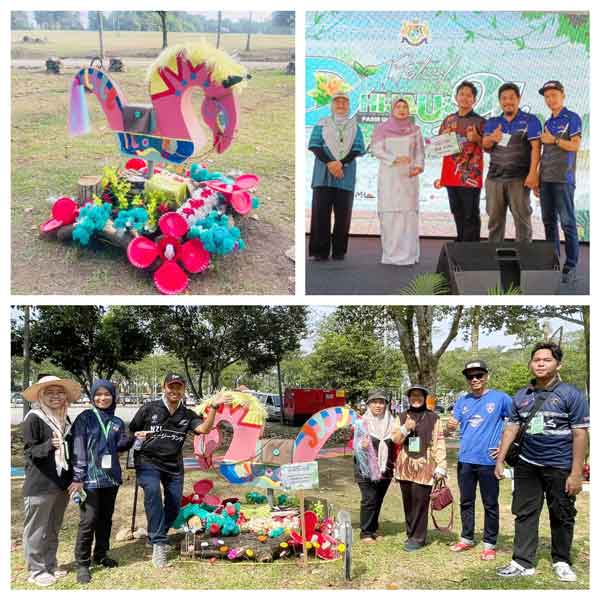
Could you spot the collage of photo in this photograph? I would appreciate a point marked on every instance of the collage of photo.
(256, 338)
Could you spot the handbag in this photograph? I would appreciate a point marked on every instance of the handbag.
(512, 454)
(440, 498)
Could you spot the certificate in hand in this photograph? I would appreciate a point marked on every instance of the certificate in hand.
(444, 144)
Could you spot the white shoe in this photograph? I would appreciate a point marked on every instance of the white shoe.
(564, 572)
(159, 555)
(514, 569)
(60, 573)
(42, 580)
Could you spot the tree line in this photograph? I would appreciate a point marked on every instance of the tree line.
(355, 348)
(281, 22)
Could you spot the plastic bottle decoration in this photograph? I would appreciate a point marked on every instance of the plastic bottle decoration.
(169, 278)
(236, 193)
(64, 212)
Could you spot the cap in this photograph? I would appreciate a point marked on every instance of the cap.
(377, 395)
(475, 364)
(174, 377)
(417, 387)
(553, 84)
(340, 95)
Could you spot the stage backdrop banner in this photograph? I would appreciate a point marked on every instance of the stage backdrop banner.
(376, 57)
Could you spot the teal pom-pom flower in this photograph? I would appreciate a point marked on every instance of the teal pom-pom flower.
(92, 218)
(134, 218)
(216, 234)
(255, 202)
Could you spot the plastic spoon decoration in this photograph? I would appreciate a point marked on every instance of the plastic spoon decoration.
(236, 193)
(170, 277)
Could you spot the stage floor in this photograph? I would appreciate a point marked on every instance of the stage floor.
(362, 272)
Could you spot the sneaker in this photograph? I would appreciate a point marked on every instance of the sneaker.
(569, 276)
(514, 569)
(60, 573)
(461, 546)
(159, 555)
(564, 572)
(488, 554)
(83, 575)
(107, 562)
(412, 546)
(42, 580)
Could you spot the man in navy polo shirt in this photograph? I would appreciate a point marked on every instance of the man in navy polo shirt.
(480, 415)
(560, 142)
(513, 140)
(550, 464)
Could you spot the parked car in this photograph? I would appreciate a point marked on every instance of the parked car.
(16, 399)
(272, 404)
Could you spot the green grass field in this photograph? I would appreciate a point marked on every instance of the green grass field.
(76, 44)
(47, 162)
(379, 566)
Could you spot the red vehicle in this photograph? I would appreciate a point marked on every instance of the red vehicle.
(300, 404)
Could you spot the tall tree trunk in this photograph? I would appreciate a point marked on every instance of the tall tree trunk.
(280, 388)
(163, 21)
(586, 337)
(249, 31)
(26, 356)
(219, 16)
(475, 326)
(101, 35)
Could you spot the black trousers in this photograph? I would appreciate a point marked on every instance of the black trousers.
(322, 241)
(415, 498)
(372, 495)
(532, 483)
(95, 521)
(489, 487)
(464, 204)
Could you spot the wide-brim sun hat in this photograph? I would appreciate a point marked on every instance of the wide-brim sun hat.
(421, 388)
(73, 389)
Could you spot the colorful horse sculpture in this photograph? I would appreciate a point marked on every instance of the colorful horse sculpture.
(239, 464)
(168, 130)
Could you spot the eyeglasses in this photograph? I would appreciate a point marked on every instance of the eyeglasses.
(479, 376)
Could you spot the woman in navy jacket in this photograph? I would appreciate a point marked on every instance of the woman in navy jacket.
(98, 437)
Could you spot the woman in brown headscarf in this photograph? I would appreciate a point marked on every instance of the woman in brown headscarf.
(421, 459)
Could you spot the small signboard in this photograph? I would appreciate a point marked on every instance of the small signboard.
(444, 144)
(300, 476)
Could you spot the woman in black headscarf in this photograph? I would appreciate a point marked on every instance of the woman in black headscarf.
(421, 459)
(98, 437)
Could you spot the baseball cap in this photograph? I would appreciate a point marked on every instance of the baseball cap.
(377, 395)
(475, 364)
(553, 84)
(174, 377)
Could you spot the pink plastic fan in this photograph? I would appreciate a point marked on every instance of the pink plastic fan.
(236, 194)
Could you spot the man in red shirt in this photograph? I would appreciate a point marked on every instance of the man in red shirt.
(462, 173)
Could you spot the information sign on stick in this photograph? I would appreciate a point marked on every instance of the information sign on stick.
(300, 477)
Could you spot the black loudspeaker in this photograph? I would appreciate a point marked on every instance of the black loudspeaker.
(478, 267)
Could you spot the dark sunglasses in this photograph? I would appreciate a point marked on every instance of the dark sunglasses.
(471, 376)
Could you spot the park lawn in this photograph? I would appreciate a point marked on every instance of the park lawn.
(47, 162)
(75, 44)
(379, 566)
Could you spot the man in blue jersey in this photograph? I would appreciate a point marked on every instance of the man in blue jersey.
(480, 415)
(560, 142)
(550, 462)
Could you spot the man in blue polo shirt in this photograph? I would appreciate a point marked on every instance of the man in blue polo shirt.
(480, 415)
(560, 142)
(513, 141)
(550, 462)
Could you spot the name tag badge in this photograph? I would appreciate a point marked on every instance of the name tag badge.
(536, 425)
(414, 444)
(106, 461)
(505, 140)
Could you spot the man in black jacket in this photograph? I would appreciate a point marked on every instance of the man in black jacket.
(161, 427)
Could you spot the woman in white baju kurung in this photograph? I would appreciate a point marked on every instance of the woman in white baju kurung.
(398, 144)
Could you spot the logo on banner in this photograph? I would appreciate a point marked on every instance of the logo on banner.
(414, 32)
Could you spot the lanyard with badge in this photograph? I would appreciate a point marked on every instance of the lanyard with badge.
(106, 461)
(414, 441)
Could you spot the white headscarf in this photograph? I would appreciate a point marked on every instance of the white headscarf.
(381, 429)
(339, 131)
